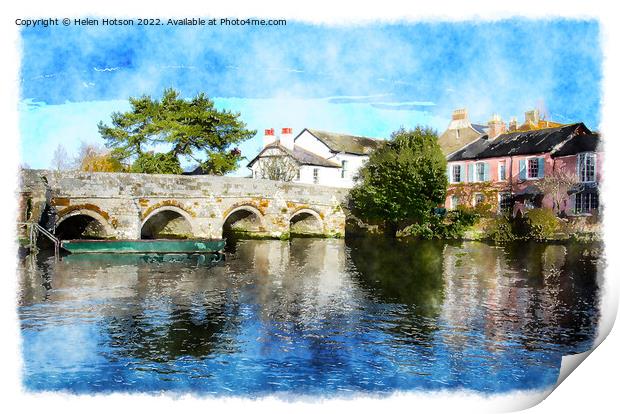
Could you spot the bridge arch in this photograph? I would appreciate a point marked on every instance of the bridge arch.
(243, 219)
(82, 223)
(306, 222)
(167, 222)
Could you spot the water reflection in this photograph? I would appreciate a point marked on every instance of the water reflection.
(310, 316)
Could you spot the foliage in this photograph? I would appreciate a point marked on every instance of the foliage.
(538, 224)
(94, 159)
(500, 230)
(407, 271)
(543, 223)
(279, 168)
(403, 180)
(157, 163)
(466, 192)
(451, 225)
(191, 129)
(556, 185)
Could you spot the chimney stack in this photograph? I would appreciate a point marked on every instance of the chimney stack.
(269, 137)
(496, 126)
(513, 124)
(459, 114)
(459, 119)
(532, 117)
(286, 138)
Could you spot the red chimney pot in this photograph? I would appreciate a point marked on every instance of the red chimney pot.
(287, 130)
(270, 131)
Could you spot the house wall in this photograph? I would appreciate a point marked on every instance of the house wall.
(287, 164)
(309, 142)
(569, 163)
(453, 139)
(354, 163)
(513, 184)
(327, 176)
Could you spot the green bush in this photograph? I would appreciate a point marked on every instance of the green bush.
(444, 225)
(542, 223)
(500, 230)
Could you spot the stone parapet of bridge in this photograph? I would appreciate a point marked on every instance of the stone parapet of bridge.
(134, 206)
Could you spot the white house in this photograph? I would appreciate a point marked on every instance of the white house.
(313, 157)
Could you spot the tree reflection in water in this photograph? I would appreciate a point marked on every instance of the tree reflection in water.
(311, 316)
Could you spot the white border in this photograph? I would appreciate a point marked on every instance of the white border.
(592, 388)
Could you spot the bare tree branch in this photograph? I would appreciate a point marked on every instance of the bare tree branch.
(557, 186)
(278, 168)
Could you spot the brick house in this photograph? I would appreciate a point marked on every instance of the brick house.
(504, 171)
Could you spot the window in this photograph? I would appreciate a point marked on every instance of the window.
(343, 172)
(298, 176)
(532, 168)
(315, 175)
(586, 202)
(501, 173)
(454, 202)
(478, 198)
(480, 171)
(505, 202)
(456, 173)
(586, 167)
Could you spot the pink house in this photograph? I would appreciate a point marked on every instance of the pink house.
(505, 173)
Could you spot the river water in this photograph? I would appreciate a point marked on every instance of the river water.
(310, 316)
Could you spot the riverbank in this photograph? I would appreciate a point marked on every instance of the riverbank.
(539, 225)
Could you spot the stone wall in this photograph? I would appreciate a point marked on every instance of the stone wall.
(123, 203)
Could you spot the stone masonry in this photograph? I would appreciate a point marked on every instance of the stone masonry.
(123, 203)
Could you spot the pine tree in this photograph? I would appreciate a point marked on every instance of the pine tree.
(192, 129)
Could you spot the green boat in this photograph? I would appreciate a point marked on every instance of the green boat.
(132, 259)
(163, 246)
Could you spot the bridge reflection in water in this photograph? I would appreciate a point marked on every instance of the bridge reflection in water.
(312, 316)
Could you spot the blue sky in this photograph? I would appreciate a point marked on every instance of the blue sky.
(365, 79)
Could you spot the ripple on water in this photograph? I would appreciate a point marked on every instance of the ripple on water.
(317, 317)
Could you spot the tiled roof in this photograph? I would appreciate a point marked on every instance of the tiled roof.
(542, 124)
(300, 155)
(347, 143)
(308, 158)
(479, 128)
(579, 143)
(519, 143)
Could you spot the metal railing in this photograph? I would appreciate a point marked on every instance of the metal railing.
(34, 229)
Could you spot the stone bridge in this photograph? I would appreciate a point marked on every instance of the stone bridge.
(133, 206)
